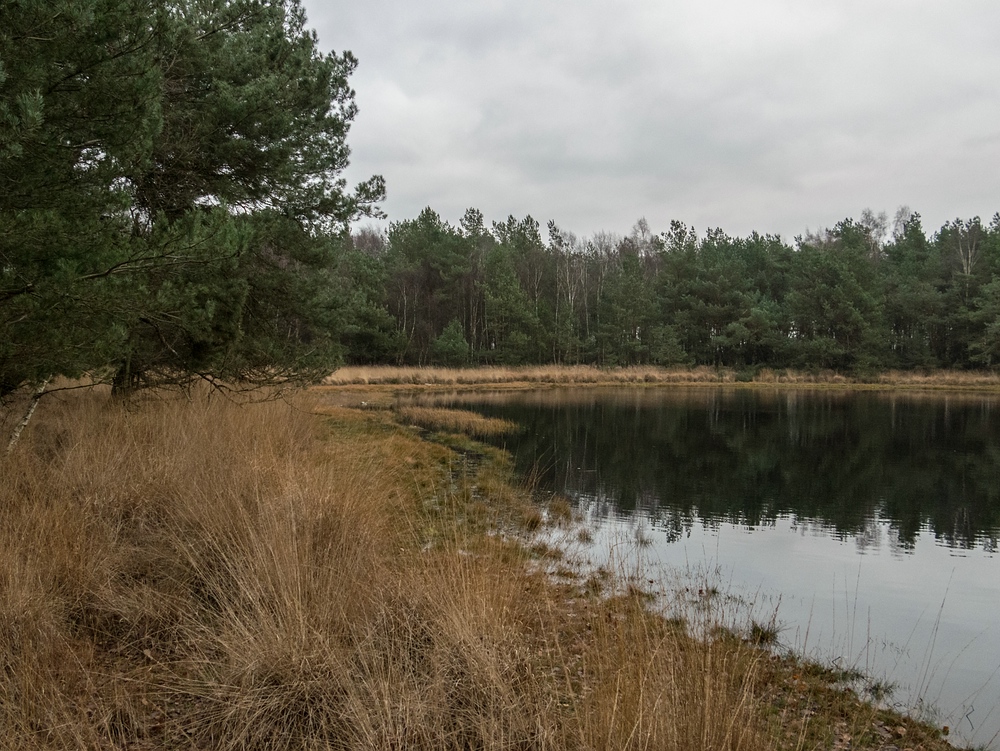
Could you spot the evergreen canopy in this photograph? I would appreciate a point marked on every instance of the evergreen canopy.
(170, 189)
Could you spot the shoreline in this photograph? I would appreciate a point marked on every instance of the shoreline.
(833, 697)
(193, 572)
(588, 376)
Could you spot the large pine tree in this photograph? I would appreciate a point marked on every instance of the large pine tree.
(170, 189)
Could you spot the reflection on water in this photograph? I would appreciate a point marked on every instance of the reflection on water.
(842, 461)
(780, 491)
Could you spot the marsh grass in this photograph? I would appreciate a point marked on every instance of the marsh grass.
(192, 573)
(941, 379)
(569, 375)
(541, 374)
(456, 420)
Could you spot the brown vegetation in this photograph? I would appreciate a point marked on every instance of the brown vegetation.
(456, 420)
(540, 374)
(201, 575)
(591, 375)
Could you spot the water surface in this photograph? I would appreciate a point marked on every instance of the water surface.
(868, 520)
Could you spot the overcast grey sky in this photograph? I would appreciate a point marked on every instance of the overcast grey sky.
(767, 115)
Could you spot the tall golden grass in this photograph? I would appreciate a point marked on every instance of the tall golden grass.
(456, 420)
(203, 575)
(555, 374)
(591, 375)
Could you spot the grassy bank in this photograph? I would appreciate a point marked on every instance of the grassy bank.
(587, 375)
(201, 575)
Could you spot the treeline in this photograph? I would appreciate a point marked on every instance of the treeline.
(172, 205)
(863, 295)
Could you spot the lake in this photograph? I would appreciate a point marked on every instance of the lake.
(866, 523)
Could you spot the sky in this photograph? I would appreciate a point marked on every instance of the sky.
(775, 116)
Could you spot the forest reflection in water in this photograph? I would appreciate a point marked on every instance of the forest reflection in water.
(868, 522)
(836, 460)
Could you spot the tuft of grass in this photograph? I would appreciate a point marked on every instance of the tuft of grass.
(879, 689)
(560, 511)
(531, 518)
(646, 683)
(763, 634)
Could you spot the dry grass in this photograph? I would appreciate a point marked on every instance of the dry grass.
(643, 682)
(200, 575)
(961, 379)
(541, 374)
(585, 375)
(456, 421)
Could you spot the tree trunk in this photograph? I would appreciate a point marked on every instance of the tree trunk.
(16, 435)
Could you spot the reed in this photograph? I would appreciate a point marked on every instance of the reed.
(581, 375)
(456, 420)
(961, 379)
(541, 374)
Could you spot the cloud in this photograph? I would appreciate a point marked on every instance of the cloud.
(771, 115)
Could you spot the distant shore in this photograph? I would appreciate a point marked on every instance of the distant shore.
(588, 375)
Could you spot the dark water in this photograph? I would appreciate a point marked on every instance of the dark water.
(869, 521)
(837, 460)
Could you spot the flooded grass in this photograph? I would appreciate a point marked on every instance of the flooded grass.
(456, 421)
(199, 574)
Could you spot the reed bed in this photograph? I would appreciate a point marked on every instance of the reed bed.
(960, 379)
(456, 421)
(197, 574)
(584, 375)
(542, 374)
